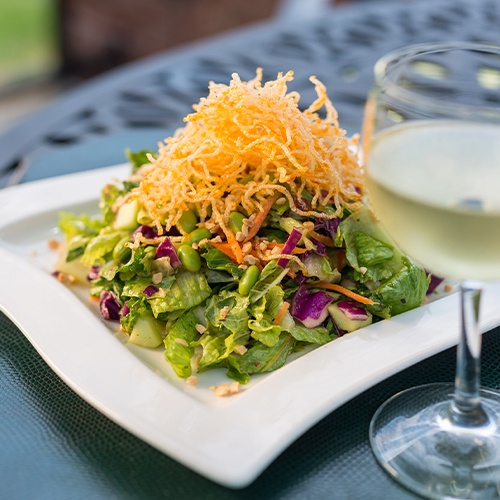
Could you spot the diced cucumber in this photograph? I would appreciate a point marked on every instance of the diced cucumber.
(126, 217)
(344, 322)
(73, 268)
(147, 332)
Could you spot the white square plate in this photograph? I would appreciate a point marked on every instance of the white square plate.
(229, 440)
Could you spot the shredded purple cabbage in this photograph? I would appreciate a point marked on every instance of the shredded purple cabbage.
(93, 273)
(300, 278)
(109, 305)
(126, 309)
(150, 290)
(147, 231)
(320, 247)
(327, 226)
(291, 242)
(310, 308)
(352, 310)
(435, 281)
(338, 330)
(166, 249)
(303, 204)
(173, 231)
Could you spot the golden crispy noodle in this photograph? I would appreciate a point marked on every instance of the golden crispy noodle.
(248, 130)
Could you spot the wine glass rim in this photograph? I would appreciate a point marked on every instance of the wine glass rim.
(403, 54)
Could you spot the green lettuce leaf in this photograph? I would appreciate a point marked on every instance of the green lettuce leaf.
(109, 270)
(139, 263)
(318, 335)
(76, 247)
(227, 320)
(188, 290)
(214, 348)
(109, 196)
(400, 283)
(137, 307)
(265, 332)
(264, 311)
(260, 358)
(271, 275)
(402, 292)
(369, 249)
(178, 344)
(100, 246)
(228, 312)
(136, 287)
(274, 300)
(82, 225)
(219, 261)
(139, 158)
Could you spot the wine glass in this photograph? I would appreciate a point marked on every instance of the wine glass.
(431, 142)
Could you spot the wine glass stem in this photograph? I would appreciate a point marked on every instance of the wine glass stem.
(466, 406)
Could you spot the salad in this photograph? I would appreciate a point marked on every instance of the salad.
(244, 238)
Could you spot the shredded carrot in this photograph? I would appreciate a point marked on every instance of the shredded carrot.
(235, 246)
(224, 248)
(261, 217)
(344, 291)
(322, 239)
(281, 313)
(296, 250)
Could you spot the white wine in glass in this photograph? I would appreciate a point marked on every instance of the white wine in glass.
(432, 150)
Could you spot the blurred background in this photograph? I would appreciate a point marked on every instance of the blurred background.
(47, 46)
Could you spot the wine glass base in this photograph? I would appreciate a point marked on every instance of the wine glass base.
(416, 441)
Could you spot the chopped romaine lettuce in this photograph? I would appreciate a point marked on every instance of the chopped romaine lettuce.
(139, 158)
(188, 290)
(369, 249)
(178, 348)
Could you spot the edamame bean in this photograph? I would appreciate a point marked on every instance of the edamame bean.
(248, 280)
(189, 257)
(198, 234)
(236, 221)
(187, 221)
